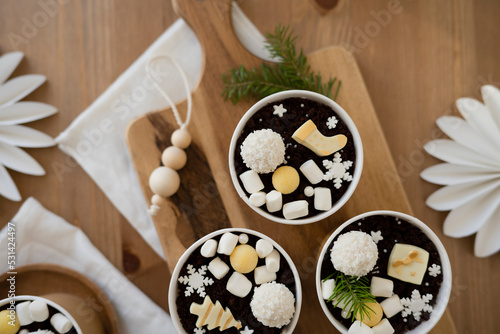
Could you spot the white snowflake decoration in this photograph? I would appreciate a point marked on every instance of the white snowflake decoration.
(376, 236)
(337, 170)
(279, 110)
(416, 305)
(434, 270)
(332, 122)
(196, 281)
(199, 331)
(246, 331)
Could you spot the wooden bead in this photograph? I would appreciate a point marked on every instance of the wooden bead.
(181, 138)
(164, 181)
(174, 157)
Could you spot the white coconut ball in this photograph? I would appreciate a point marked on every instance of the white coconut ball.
(354, 253)
(273, 304)
(263, 151)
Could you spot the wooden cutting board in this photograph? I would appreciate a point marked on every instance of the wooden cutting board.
(207, 200)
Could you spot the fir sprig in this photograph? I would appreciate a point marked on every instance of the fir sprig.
(354, 292)
(292, 72)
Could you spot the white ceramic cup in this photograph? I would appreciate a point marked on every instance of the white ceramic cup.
(313, 97)
(444, 292)
(172, 293)
(49, 302)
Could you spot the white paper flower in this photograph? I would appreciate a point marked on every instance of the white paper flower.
(471, 174)
(13, 135)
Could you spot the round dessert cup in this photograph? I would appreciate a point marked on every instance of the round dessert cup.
(87, 326)
(444, 291)
(172, 293)
(317, 98)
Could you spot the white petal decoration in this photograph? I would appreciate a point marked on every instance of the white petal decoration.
(455, 153)
(491, 97)
(24, 112)
(487, 237)
(477, 115)
(8, 188)
(470, 217)
(18, 88)
(8, 63)
(448, 174)
(14, 158)
(24, 136)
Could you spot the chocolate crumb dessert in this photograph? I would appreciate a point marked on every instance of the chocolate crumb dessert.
(295, 158)
(402, 279)
(236, 283)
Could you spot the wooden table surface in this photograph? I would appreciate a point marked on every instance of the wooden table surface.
(416, 58)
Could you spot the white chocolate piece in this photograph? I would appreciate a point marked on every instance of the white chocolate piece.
(181, 138)
(274, 201)
(243, 238)
(23, 313)
(239, 285)
(227, 243)
(383, 327)
(164, 181)
(39, 311)
(327, 288)
(273, 261)
(391, 306)
(381, 287)
(262, 275)
(263, 248)
(296, 209)
(251, 181)
(209, 248)
(60, 323)
(358, 327)
(309, 136)
(322, 199)
(257, 199)
(218, 268)
(312, 172)
(309, 191)
(174, 157)
(414, 270)
(213, 315)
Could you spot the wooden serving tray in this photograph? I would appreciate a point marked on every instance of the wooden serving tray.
(207, 200)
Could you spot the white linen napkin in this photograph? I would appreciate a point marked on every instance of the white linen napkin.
(36, 229)
(96, 138)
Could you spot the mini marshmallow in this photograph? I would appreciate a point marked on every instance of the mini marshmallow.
(262, 275)
(239, 285)
(218, 268)
(358, 327)
(381, 287)
(345, 314)
(60, 323)
(392, 306)
(227, 243)
(273, 261)
(243, 238)
(274, 201)
(263, 248)
(39, 311)
(383, 327)
(296, 209)
(251, 181)
(209, 248)
(327, 288)
(23, 313)
(309, 191)
(258, 199)
(312, 172)
(322, 199)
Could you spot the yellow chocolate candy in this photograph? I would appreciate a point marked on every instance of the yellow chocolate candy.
(244, 259)
(7, 324)
(286, 179)
(373, 317)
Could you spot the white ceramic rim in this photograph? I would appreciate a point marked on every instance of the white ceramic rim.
(317, 98)
(49, 302)
(172, 292)
(444, 292)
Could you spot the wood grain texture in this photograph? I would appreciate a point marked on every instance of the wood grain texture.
(428, 55)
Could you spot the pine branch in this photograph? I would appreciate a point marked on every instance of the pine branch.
(292, 72)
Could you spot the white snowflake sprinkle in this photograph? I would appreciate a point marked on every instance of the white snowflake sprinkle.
(434, 270)
(246, 331)
(302, 105)
(260, 119)
(199, 331)
(279, 110)
(337, 170)
(332, 122)
(359, 224)
(426, 283)
(196, 281)
(416, 305)
(376, 236)
(385, 250)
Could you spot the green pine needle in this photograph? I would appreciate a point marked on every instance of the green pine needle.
(354, 292)
(292, 72)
